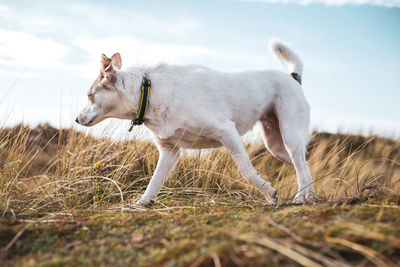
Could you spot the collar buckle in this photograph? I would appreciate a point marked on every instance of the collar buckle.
(131, 127)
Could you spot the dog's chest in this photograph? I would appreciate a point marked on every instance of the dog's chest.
(189, 139)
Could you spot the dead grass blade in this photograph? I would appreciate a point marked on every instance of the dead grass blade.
(374, 256)
(371, 234)
(317, 256)
(272, 244)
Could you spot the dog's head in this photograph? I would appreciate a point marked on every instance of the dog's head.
(106, 96)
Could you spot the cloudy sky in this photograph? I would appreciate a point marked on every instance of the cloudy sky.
(50, 50)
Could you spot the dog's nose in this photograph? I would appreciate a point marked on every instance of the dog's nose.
(76, 120)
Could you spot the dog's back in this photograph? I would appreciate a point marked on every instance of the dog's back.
(196, 96)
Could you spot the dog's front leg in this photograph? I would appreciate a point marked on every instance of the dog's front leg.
(166, 163)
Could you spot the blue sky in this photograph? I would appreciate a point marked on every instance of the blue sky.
(50, 50)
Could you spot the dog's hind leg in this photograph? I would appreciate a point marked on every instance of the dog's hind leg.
(229, 137)
(169, 156)
(272, 136)
(294, 124)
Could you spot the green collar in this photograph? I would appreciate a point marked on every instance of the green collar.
(144, 100)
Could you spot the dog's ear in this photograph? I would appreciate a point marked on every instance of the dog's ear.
(107, 72)
(105, 62)
(116, 61)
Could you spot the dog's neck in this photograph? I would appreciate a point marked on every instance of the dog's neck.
(131, 82)
(157, 112)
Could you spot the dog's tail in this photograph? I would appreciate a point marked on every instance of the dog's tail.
(285, 55)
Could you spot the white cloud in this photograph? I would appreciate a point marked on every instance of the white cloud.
(5, 12)
(135, 51)
(22, 49)
(386, 3)
(30, 37)
(139, 51)
(4, 9)
(68, 19)
(118, 20)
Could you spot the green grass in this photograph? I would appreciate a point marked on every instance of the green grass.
(66, 199)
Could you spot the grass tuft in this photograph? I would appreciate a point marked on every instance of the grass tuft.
(65, 199)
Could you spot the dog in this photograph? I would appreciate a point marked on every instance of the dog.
(196, 107)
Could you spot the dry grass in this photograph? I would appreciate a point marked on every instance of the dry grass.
(51, 179)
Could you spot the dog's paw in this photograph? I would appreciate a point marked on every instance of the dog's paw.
(302, 198)
(311, 197)
(299, 199)
(145, 202)
(272, 196)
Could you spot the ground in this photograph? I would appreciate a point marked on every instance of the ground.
(78, 209)
(343, 234)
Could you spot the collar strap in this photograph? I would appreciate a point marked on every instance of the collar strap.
(296, 76)
(144, 100)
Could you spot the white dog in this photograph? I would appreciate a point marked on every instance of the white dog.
(197, 107)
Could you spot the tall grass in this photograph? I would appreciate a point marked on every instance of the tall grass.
(49, 170)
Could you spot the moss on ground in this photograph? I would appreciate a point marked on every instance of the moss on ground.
(207, 235)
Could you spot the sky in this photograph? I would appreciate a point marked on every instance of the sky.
(50, 52)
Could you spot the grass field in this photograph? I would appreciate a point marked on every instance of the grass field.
(66, 199)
